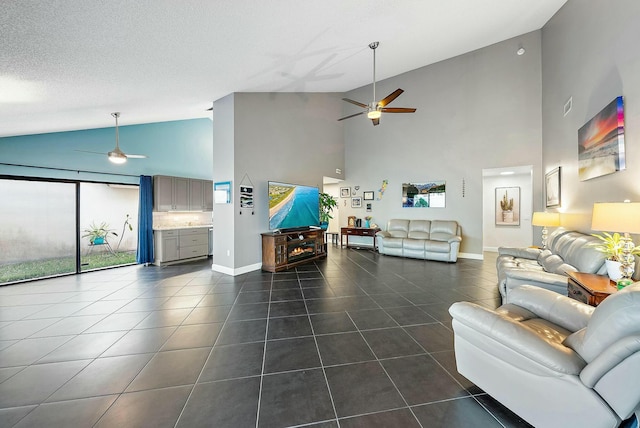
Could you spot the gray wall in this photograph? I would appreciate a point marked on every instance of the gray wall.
(479, 110)
(223, 168)
(590, 52)
(287, 137)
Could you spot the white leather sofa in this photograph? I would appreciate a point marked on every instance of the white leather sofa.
(567, 251)
(421, 239)
(552, 360)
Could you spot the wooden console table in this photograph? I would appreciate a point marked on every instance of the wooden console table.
(589, 288)
(358, 231)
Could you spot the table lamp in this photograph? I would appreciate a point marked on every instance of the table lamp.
(623, 217)
(545, 220)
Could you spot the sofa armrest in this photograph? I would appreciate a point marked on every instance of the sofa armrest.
(454, 238)
(517, 337)
(568, 313)
(523, 253)
(383, 234)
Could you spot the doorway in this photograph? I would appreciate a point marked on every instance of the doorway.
(508, 184)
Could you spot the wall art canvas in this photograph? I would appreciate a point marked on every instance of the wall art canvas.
(424, 195)
(601, 143)
(507, 206)
(552, 188)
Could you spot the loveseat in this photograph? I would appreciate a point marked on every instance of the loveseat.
(554, 361)
(566, 251)
(421, 239)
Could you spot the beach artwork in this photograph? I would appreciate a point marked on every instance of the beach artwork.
(423, 195)
(601, 143)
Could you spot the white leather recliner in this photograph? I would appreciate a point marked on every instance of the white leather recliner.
(552, 360)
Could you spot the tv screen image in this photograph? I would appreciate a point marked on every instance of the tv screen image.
(293, 206)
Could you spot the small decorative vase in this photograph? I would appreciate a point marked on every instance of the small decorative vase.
(366, 224)
(613, 270)
(507, 216)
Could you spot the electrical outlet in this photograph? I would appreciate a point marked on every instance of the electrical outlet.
(228, 253)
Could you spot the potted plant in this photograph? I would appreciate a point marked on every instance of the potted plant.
(97, 234)
(327, 204)
(611, 246)
(507, 208)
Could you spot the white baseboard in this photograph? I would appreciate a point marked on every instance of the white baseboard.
(470, 256)
(490, 249)
(237, 271)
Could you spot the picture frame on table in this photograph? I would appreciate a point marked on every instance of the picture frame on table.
(552, 188)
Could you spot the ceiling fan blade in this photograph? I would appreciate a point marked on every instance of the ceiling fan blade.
(351, 115)
(392, 96)
(376, 122)
(135, 156)
(398, 110)
(93, 153)
(355, 102)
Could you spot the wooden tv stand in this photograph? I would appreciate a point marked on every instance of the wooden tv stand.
(285, 250)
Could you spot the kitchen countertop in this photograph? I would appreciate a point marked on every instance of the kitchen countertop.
(197, 226)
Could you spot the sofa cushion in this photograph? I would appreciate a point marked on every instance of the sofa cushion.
(398, 228)
(437, 246)
(413, 244)
(419, 229)
(442, 230)
(391, 242)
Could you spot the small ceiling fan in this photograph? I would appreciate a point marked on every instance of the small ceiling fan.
(116, 155)
(375, 109)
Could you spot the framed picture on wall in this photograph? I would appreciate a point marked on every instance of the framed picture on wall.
(356, 202)
(345, 192)
(552, 188)
(507, 206)
(368, 195)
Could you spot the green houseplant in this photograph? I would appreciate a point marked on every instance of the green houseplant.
(327, 203)
(611, 246)
(98, 234)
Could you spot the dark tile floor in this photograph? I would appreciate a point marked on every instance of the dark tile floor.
(356, 340)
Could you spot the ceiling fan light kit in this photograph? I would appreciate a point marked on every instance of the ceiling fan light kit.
(116, 155)
(375, 109)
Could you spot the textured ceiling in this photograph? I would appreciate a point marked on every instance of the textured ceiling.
(67, 64)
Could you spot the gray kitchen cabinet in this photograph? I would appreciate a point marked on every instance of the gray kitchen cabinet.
(175, 245)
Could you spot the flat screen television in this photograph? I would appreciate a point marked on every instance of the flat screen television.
(292, 206)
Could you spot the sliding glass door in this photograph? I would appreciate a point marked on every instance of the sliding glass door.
(108, 225)
(37, 229)
(50, 228)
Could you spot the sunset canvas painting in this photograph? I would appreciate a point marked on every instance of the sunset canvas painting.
(601, 143)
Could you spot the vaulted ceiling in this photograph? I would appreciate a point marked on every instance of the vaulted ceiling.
(67, 65)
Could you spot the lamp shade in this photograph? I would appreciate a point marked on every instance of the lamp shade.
(546, 219)
(616, 217)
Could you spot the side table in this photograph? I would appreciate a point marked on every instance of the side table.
(589, 288)
(359, 231)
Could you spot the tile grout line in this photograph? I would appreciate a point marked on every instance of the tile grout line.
(264, 352)
(384, 369)
(324, 372)
(206, 359)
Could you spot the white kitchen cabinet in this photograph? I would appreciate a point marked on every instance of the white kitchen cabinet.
(174, 245)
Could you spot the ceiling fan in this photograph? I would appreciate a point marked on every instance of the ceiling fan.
(116, 155)
(375, 109)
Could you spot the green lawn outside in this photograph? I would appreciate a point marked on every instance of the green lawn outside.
(40, 268)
